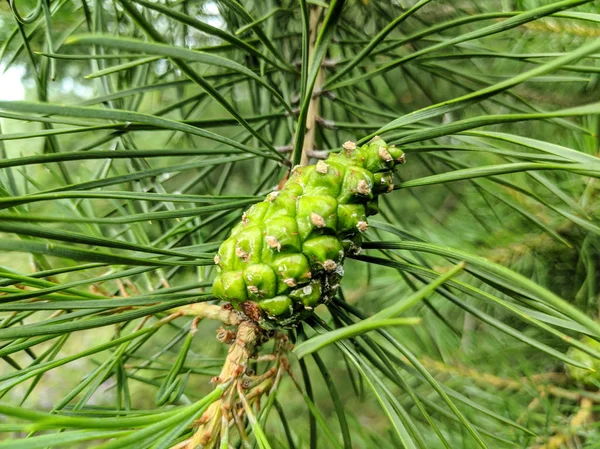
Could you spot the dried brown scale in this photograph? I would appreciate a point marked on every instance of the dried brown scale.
(286, 255)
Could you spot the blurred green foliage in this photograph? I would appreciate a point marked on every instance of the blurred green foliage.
(542, 224)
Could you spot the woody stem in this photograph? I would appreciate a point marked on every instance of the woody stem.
(234, 367)
(313, 108)
(211, 311)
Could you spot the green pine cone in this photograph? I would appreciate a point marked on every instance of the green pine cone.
(588, 378)
(287, 254)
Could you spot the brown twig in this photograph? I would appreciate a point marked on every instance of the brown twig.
(213, 312)
(313, 107)
(316, 154)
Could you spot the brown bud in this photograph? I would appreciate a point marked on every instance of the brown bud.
(242, 254)
(363, 188)
(349, 145)
(251, 310)
(289, 282)
(385, 154)
(317, 220)
(329, 265)
(225, 336)
(322, 167)
(273, 242)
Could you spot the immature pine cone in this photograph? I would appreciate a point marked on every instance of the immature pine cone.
(287, 254)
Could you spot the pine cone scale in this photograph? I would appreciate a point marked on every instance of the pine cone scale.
(287, 253)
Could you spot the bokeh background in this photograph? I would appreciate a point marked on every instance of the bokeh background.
(519, 220)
